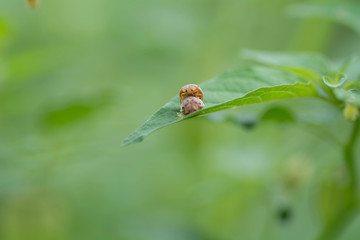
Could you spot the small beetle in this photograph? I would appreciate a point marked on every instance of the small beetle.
(190, 90)
(191, 104)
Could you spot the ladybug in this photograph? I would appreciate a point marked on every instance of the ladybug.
(190, 90)
(191, 104)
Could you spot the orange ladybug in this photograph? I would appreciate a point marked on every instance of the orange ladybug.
(190, 90)
(191, 104)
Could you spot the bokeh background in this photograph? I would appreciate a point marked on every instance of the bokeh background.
(77, 77)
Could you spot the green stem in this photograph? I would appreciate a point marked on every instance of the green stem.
(334, 229)
(350, 160)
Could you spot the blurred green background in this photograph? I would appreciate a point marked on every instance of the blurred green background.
(76, 77)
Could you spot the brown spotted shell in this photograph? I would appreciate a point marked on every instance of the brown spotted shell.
(190, 90)
(191, 104)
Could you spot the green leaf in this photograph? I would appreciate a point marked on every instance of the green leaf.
(278, 114)
(335, 81)
(351, 96)
(344, 13)
(309, 64)
(232, 89)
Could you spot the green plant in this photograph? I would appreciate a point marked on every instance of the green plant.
(268, 77)
(279, 77)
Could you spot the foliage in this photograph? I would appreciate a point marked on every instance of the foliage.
(77, 76)
(245, 86)
(286, 76)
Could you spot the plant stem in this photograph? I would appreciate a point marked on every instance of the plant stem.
(334, 229)
(350, 161)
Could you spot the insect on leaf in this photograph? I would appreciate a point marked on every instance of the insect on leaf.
(248, 85)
